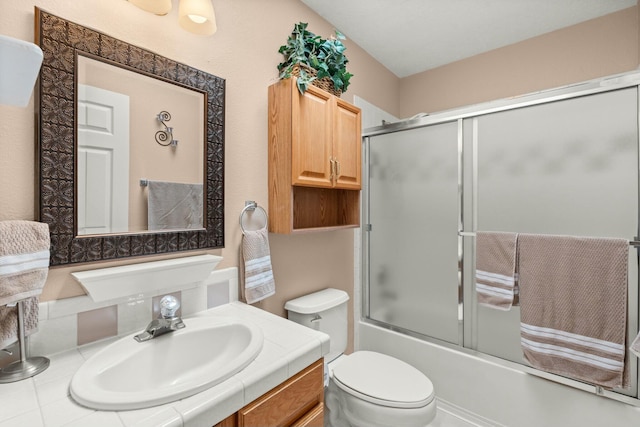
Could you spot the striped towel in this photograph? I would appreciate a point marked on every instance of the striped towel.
(496, 269)
(573, 302)
(258, 275)
(24, 262)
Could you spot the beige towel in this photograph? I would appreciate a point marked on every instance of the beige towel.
(9, 321)
(573, 302)
(174, 206)
(496, 269)
(256, 262)
(24, 262)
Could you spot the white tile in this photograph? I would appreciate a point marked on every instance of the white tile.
(267, 371)
(90, 349)
(43, 311)
(53, 391)
(211, 406)
(98, 419)
(233, 287)
(62, 412)
(69, 306)
(17, 398)
(54, 335)
(61, 365)
(304, 356)
(217, 294)
(158, 416)
(193, 301)
(133, 315)
(28, 419)
(225, 276)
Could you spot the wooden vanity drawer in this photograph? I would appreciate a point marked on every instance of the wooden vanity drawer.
(296, 402)
(313, 418)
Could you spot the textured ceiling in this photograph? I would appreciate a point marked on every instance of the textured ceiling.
(411, 36)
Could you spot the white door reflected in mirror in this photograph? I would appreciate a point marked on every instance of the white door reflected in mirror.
(103, 161)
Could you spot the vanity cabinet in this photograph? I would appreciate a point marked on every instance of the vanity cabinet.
(298, 402)
(314, 160)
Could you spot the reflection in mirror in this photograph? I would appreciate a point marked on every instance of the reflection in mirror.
(99, 212)
(117, 125)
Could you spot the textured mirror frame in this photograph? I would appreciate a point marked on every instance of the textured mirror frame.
(61, 42)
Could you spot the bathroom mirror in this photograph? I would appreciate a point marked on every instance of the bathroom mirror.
(118, 129)
(69, 48)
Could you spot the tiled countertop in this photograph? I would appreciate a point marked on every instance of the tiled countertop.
(44, 399)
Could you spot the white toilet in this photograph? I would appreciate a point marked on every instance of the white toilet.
(365, 388)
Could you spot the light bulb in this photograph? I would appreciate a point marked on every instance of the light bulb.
(197, 16)
(197, 19)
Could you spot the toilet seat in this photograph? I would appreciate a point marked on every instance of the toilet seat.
(383, 380)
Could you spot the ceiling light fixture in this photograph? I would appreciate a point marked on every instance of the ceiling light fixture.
(159, 7)
(195, 16)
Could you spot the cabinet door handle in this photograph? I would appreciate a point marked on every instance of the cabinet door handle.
(332, 164)
(337, 169)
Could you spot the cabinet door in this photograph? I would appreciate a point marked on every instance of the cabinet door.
(298, 401)
(347, 146)
(311, 140)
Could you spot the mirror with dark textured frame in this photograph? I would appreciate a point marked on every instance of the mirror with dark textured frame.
(61, 42)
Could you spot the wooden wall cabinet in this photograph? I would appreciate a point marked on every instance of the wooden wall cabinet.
(298, 402)
(314, 160)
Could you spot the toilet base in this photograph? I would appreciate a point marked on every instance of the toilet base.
(345, 410)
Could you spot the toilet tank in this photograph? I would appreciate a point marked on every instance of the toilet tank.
(324, 311)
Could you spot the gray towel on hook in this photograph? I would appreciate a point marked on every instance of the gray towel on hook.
(256, 262)
(496, 269)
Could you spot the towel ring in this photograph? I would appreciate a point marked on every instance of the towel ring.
(251, 206)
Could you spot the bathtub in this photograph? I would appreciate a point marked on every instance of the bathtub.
(495, 392)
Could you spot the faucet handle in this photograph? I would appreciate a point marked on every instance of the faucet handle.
(168, 306)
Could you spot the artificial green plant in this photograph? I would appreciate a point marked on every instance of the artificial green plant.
(326, 56)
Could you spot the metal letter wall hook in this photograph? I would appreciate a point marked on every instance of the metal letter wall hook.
(165, 137)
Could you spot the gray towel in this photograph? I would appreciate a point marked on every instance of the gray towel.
(573, 302)
(24, 265)
(496, 269)
(256, 262)
(175, 206)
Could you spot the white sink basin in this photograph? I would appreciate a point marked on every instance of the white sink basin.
(131, 375)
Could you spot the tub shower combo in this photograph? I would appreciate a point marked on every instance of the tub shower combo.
(561, 162)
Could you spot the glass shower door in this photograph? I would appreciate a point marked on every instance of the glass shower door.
(412, 245)
(567, 167)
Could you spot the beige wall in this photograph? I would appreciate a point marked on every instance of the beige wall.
(244, 51)
(596, 48)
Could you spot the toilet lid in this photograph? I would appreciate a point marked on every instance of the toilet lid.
(383, 380)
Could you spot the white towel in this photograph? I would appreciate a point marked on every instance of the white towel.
(573, 306)
(256, 260)
(496, 269)
(174, 206)
(24, 262)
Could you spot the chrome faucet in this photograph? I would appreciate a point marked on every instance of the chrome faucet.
(167, 322)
